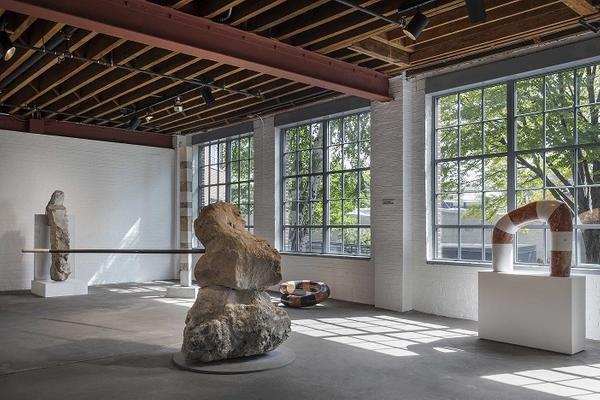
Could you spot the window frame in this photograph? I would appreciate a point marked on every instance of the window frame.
(324, 174)
(511, 154)
(227, 141)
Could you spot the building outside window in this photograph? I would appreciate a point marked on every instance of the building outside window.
(326, 186)
(503, 146)
(226, 173)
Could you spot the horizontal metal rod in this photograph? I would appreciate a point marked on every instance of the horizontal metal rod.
(72, 56)
(116, 251)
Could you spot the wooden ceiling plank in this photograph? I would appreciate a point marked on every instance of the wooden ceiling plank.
(148, 23)
(131, 51)
(493, 33)
(138, 81)
(42, 35)
(581, 7)
(90, 74)
(381, 51)
(282, 14)
(25, 23)
(287, 91)
(95, 87)
(44, 64)
(194, 106)
(251, 9)
(516, 9)
(214, 8)
(69, 68)
(131, 97)
(315, 18)
(503, 32)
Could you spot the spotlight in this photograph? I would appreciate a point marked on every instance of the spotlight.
(178, 107)
(7, 50)
(476, 10)
(134, 123)
(148, 117)
(416, 25)
(207, 95)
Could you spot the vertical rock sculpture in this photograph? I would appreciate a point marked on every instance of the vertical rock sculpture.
(59, 236)
(233, 315)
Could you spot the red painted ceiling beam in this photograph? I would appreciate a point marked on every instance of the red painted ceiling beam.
(84, 131)
(163, 27)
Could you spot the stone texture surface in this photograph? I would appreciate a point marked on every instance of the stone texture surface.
(233, 316)
(227, 323)
(59, 236)
(234, 257)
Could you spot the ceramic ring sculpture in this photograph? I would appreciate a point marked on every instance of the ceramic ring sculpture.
(316, 293)
(557, 214)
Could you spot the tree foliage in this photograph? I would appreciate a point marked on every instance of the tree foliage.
(557, 139)
(327, 184)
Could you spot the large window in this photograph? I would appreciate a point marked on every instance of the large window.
(227, 174)
(326, 186)
(500, 147)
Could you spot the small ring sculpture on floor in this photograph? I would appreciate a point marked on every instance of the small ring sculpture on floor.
(316, 293)
(557, 214)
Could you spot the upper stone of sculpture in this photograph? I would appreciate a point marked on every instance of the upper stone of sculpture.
(234, 257)
(57, 199)
(59, 236)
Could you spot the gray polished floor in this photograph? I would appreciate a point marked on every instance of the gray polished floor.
(117, 342)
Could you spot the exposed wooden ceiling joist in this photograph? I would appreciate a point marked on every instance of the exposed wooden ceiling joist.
(71, 90)
(154, 25)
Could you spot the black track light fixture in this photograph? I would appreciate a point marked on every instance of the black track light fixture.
(476, 10)
(207, 95)
(134, 123)
(7, 49)
(416, 25)
(178, 105)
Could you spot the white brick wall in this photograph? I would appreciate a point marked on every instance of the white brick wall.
(266, 179)
(387, 130)
(118, 195)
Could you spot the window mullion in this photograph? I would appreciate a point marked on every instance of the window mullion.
(325, 222)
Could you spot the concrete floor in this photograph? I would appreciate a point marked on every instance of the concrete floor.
(117, 342)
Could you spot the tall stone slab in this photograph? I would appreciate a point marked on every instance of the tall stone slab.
(59, 236)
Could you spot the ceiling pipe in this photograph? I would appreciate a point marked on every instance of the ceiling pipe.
(195, 82)
(383, 17)
(52, 44)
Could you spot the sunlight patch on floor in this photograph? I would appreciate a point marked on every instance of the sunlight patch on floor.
(580, 382)
(382, 334)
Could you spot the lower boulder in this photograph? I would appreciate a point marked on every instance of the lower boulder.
(227, 323)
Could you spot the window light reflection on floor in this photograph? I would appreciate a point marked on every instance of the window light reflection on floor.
(580, 382)
(382, 334)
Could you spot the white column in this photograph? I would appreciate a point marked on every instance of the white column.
(266, 179)
(390, 122)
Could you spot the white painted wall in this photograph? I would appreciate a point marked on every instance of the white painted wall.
(119, 195)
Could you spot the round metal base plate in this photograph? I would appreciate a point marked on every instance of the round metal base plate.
(280, 357)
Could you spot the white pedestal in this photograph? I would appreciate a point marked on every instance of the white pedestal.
(183, 292)
(49, 288)
(537, 311)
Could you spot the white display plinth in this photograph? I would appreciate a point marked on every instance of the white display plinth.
(184, 292)
(49, 288)
(537, 311)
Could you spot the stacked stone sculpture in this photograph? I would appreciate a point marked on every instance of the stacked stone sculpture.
(233, 316)
(59, 236)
